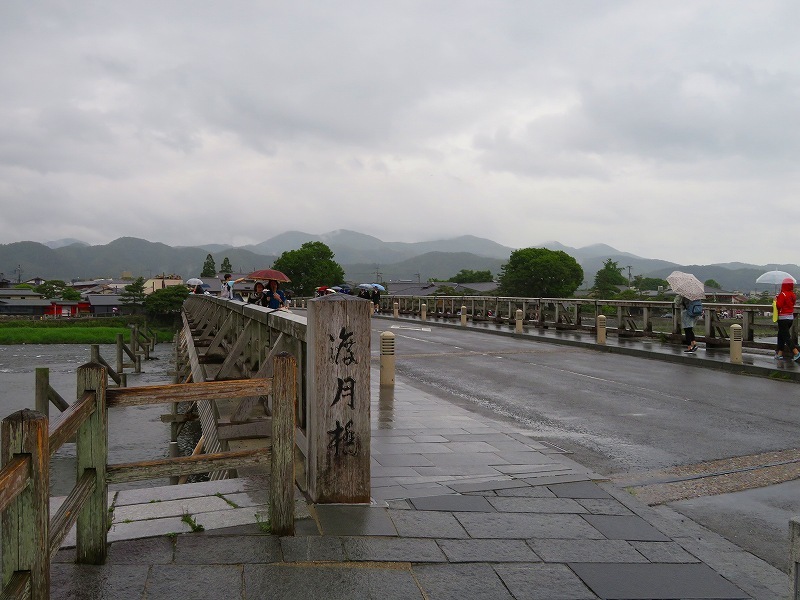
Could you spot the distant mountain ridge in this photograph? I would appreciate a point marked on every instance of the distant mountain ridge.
(353, 247)
(363, 257)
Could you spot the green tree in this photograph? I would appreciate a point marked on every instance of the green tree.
(468, 276)
(71, 294)
(712, 283)
(133, 293)
(628, 294)
(166, 301)
(649, 283)
(310, 266)
(209, 267)
(540, 273)
(607, 279)
(226, 266)
(53, 288)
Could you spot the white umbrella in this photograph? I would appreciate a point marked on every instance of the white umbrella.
(775, 277)
(687, 285)
(194, 281)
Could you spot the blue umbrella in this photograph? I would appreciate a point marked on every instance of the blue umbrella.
(379, 286)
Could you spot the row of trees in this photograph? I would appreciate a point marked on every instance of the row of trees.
(210, 267)
(307, 267)
(531, 272)
(534, 272)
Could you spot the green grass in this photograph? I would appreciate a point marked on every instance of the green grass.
(72, 331)
(194, 525)
(264, 523)
(30, 335)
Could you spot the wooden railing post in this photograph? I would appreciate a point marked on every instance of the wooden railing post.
(43, 391)
(284, 392)
(26, 522)
(92, 453)
(120, 358)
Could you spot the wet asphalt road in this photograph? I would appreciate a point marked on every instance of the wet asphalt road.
(617, 413)
(620, 415)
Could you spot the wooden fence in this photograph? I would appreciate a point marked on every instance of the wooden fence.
(30, 536)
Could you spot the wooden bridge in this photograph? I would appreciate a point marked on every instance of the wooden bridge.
(273, 389)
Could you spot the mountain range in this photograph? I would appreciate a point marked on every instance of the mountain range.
(363, 257)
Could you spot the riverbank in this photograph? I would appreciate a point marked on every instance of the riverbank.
(135, 433)
(74, 331)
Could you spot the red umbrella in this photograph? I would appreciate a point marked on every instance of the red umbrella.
(267, 274)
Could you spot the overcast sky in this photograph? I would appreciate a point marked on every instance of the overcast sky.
(665, 129)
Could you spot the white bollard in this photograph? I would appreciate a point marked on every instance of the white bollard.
(387, 358)
(423, 312)
(601, 329)
(396, 309)
(464, 315)
(736, 344)
(518, 321)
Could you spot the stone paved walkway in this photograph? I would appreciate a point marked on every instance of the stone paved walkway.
(463, 507)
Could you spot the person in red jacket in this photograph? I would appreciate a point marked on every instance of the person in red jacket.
(785, 303)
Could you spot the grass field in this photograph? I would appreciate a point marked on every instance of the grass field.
(71, 331)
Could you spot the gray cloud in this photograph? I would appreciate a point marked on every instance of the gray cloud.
(189, 122)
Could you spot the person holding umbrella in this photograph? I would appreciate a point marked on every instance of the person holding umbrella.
(273, 297)
(784, 302)
(688, 321)
(689, 292)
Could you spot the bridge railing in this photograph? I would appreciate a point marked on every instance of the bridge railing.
(231, 339)
(627, 317)
(30, 537)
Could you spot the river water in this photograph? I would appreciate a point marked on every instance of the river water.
(135, 433)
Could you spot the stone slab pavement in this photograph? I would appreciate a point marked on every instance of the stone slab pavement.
(464, 506)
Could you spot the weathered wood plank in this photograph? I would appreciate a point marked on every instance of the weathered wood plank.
(196, 369)
(281, 505)
(339, 331)
(178, 417)
(216, 343)
(56, 399)
(187, 392)
(91, 444)
(67, 513)
(13, 479)
(259, 428)
(235, 353)
(25, 522)
(42, 404)
(18, 587)
(71, 420)
(186, 465)
(246, 405)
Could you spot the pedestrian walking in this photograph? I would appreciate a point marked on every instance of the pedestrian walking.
(227, 288)
(375, 296)
(688, 321)
(784, 302)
